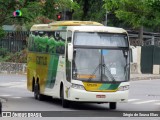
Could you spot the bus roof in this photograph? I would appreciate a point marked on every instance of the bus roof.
(37, 27)
(75, 23)
(96, 29)
(86, 26)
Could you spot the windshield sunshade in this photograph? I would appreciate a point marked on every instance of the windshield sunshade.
(100, 39)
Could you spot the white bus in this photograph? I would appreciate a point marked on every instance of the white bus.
(80, 61)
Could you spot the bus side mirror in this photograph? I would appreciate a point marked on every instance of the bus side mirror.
(70, 52)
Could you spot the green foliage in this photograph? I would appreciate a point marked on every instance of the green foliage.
(153, 7)
(129, 11)
(49, 9)
(6, 10)
(135, 12)
(78, 11)
(18, 57)
(31, 11)
(111, 5)
(89, 10)
(153, 4)
(3, 54)
(96, 11)
(52, 7)
(2, 32)
(34, 10)
(65, 4)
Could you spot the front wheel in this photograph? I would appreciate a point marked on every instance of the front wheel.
(37, 94)
(65, 103)
(112, 105)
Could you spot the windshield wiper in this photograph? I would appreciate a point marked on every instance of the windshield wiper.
(101, 71)
(90, 78)
(110, 75)
(126, 70)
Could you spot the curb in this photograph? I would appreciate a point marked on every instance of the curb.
(145, 78)
(133, 77)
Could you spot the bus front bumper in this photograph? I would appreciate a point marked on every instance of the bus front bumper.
(103, 97)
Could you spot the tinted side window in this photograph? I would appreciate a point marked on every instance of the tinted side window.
(47, 41)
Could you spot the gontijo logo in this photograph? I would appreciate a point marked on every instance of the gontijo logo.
(17, 13)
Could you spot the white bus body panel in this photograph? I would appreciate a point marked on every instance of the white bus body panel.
(89, 96)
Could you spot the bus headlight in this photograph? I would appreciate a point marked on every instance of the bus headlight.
(76, 86)
(123, 88)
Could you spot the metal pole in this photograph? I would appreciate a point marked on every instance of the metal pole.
(152, 41)
(0, 108)
(64, 14)
(106, 18)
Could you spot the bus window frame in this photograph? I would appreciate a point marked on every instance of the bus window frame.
(66, 56)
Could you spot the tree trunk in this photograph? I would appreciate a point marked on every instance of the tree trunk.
(85, 9)
(140, 36)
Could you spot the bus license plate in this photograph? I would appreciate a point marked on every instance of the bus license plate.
(100, 96)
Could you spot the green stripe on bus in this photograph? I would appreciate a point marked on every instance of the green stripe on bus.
(52, 71)
(113, 86)
(108, 86)
(104, 87)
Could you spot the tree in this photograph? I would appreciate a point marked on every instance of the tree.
(52, 7)
(30, 10)
(49, 9)
(2, 33)
(6, 9)
(34, 11)
(153, 14)
(137, 13)
(91, 10)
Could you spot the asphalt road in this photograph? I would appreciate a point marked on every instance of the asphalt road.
(144, 96)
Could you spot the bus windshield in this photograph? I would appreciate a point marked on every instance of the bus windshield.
(101, 64)
(100, 39)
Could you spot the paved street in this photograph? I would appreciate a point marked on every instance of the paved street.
(144, 96)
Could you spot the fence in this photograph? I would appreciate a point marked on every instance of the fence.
(147, 59)
(150, 59)
(149, 38)
(14, 41)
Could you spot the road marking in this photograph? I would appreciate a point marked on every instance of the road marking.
(17, 97)
(23, 80)
(143, 102)
(157, 103)
(10, 84)
(131, 100)
(5, 95)
(14, 84)
(18, 86)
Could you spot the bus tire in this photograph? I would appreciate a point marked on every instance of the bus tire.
(65, 103)
(37, 94)
(112, 105)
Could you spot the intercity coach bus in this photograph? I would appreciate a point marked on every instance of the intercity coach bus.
(80, 61)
